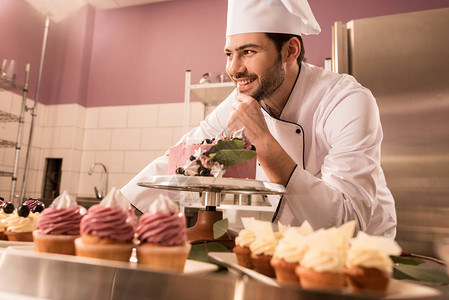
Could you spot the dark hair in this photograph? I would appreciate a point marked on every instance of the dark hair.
(280, 39)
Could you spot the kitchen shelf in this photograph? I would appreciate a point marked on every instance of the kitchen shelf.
(10, 85)
(209, 94)
(6, 144)
(7, 117)
(212, 93)
(5, 174)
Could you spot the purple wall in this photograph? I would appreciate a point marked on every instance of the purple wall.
(138, 55)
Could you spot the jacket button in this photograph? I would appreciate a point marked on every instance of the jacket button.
(298, 131)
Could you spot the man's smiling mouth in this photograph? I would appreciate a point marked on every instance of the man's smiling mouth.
(245, 82)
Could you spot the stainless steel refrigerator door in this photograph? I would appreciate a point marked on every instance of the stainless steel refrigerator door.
(404, 60)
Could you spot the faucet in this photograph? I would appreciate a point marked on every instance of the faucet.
(105, 186)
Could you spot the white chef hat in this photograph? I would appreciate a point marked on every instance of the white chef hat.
(275, 16)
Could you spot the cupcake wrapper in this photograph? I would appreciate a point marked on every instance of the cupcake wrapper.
(367, 280)
(61, 244)
(3, 236)
(311, 279)
(243, 255)
(19, 236)
(261, 263)
(120, 252)
(285, 271)
(163, 258)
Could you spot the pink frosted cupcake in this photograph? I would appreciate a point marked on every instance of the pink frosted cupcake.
(58, 226)
(162, 236)
(108, 229)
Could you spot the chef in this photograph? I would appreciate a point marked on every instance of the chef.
(316, 132)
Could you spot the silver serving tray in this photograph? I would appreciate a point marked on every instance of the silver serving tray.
(212, 184)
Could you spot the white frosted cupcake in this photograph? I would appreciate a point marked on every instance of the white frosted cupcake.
(289, 252)
(20, 224)
(368, 265)
(321, 267)
(242, 242)
(263, 247)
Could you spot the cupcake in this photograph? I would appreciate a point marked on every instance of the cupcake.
(162, 236)
(289, 252)
(263, 247)
(242, 242)
(6, 209)
(107, 231)
(368, 265)
(58, 226)
(21, 223)
(321, 267)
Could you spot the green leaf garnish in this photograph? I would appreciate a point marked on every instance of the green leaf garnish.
(407, 261)
(220, 228)
(230, 157)
(420, 273)
(199, 251)
(231, 144)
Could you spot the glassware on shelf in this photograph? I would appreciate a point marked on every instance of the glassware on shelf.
(11, 70)
(205, 78)
(3, 68)
(223, 77)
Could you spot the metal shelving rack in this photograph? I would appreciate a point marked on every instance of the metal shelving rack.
(6, 117)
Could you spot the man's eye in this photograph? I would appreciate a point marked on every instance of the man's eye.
(249, 51)
(228, 54)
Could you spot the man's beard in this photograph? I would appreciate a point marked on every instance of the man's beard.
(270, 81)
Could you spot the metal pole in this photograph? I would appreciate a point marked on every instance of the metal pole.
(34, 108)
(19, 134)
(187, 102)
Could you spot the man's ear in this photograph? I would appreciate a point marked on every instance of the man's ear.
(291, 50)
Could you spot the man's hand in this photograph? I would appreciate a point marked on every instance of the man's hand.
(247, 114)
(276, 163)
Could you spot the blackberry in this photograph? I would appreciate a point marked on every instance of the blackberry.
(23, 210)
(179, 171)
(8, 207)
(192, 158)
(205, 172)
(38, 208)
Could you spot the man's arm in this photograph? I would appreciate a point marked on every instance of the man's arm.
(276, 163)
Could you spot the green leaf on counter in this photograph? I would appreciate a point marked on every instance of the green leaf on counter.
(220, 228)
(407, 261)
(420, 273)
(229, 157)
(216, 247)
(199, 251)
(232, 144)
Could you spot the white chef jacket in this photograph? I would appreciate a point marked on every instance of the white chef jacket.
(330, 127)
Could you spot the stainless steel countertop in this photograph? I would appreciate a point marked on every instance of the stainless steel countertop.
(49, 276)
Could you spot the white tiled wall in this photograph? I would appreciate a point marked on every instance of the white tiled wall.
(124, 138)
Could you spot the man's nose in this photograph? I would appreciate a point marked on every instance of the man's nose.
(235, 66)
